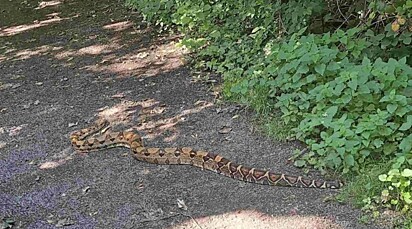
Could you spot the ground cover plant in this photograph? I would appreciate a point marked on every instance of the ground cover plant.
(338, 72)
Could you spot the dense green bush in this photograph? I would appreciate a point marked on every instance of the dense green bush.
(155, 11)
(347, 110)
(339, 71)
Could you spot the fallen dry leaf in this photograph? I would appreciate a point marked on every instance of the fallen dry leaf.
(181, 204)
(16, 86)
(49, 165)
(14, 130)
(401, 20)
(5, 86)
(142, 55)
(64, 222)
(86, 189)
(146, 171)
(71, 124)
(395, 26)
(235, 117)
(103, 108)
(119, 95)
(200, 102)
(52, 164)
(158, 110)
(140, 186)
(15, 77)
(194, 136)
(225, 130)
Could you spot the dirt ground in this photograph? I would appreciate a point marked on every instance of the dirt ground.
(63, 64)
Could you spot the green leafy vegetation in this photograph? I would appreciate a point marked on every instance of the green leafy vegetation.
(338, 72)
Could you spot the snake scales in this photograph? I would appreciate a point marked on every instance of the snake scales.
(97, 137)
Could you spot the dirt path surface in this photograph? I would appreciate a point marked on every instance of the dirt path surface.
(63, 64)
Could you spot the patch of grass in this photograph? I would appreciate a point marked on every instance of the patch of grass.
(364, 191)
(407, 224)
(275, 128)
(255, 97)
(361, 187)
(268, 120)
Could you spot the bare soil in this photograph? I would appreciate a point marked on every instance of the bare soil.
(64, 64)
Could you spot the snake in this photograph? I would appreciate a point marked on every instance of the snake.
(97, 137)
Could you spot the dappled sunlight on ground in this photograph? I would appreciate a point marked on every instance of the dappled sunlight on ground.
(149, 120)
(246, 219)
(119, 47)
(156, 128)
(119, 26)
(44, 4)
(97, 49)
(120, 113)
(38, 51)
(115, 52)
(139, 63)
(13, 30)
(91, 50)
(143, 62)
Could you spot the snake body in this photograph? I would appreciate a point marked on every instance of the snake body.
(86, 140)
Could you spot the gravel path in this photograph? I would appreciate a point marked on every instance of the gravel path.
(65, 63)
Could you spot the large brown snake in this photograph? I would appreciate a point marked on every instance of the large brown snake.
(85, 141)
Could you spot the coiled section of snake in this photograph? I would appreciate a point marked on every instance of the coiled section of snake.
(97, 137)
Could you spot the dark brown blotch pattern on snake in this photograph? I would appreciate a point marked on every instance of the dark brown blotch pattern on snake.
(97, 137)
